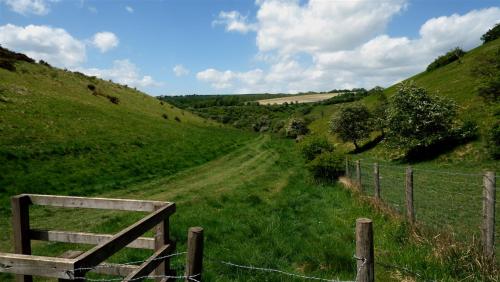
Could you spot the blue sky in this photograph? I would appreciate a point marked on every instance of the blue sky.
(187, 46)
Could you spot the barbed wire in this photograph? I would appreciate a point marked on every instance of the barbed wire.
(250, 267)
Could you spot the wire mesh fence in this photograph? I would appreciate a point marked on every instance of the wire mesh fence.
(444, 201)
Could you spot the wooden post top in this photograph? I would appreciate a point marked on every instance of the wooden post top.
(196, 229)
(363, 220)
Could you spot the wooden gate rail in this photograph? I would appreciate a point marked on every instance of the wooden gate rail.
(24, 265)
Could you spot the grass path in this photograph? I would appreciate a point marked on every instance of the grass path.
(258, 207)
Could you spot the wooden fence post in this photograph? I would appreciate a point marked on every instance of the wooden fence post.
(21, 228)
(364, 251)
(162, 238)
(347, 174)
(410, 209)
(194, 260)
(489, 199)
(376, 179)
(358, 175)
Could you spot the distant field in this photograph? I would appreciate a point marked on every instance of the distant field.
(299, 98)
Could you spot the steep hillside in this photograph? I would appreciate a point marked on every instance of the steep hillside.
(455, 81)
(63, 132)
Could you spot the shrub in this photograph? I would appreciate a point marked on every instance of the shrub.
(177, 119)
(7, 64)
(91, 87)
(446, 59)
(113, 99)
(165, 116)
(314, 145)
(487, 71)
(44, 63)
(416, 119)
(296, 127)
(351, 123)
(493, 141)
(327, 166)
(491, 34)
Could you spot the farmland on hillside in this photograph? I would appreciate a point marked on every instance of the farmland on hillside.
(311, 98)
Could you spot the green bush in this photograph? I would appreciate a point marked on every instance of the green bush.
(487, 72)
(296, 127)
(493, 141)
(7, 64)
(446, 59)
(491, 34)
(327, 166)
(313, 146)
(416, 119)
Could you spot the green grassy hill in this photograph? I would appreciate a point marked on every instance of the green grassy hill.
(58, 136)
(455, 81)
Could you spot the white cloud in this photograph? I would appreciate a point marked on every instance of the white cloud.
(234, 21)
(323, 45)
(124, 72)
(228, 79)
(289, 27)
(26, 7)
(53, 45)
(105, 41)
(180, 70)
(129, 9)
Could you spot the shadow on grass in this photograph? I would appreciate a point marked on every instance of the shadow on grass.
(369, 145)
(429, 153)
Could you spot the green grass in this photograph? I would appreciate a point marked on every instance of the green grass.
(259, 207)
(448, 199)
(56, 137)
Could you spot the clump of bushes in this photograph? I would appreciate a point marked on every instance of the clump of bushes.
(113, 99)
(7, 64)
(296, 127)
(487, 72)
(165, 116)
(321, 160)
(493, 141)
(491, 34)
(44, 63)
(327, 166)
(13, 56)
(313, 146)
(177, 119)
(451, 56)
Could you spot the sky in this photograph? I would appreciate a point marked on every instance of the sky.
(176, 47)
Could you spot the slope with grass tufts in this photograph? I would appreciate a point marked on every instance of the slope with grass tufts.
(65, 133)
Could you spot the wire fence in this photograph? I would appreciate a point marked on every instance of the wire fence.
(444, 201)
(194, 278)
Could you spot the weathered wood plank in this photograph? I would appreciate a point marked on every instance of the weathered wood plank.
(194, 258)
(162, 238)
(104, 250)
(115, 269)
(149, 265)
(95, 203)
(86, 238)
(20, 226)
(36, 265)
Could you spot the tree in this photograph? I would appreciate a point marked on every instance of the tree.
(416, 119)
(379, 112)
(352, 124)
(491, 34)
